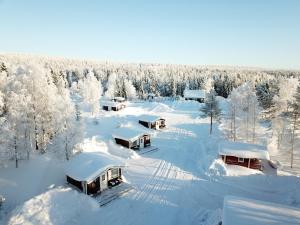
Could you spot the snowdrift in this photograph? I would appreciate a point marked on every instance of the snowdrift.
(58, 206)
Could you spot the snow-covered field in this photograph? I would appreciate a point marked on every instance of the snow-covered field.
(182, 183)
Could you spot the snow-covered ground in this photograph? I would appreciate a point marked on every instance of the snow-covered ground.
(182, 183)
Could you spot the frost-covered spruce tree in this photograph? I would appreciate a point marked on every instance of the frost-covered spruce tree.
(130, 90)
(295, 124)
(111, 86)
(265, 94)
(70, 132)
(211, 108)
(91, 91)
(282, 103)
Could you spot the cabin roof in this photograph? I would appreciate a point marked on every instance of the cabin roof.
(88, 165)
(243, 211)
(128, 133)
(243, 150)
(120, 99)
(194, 94)
(149, 118)
(110, 103)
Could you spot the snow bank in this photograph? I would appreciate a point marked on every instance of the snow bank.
(121, 152)
(57, 206)
(245, 211)
(161, 108)
(218, 168)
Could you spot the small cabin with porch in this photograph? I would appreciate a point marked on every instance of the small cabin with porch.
(113, 105)
(243, 154)
(245, 211)
(93, 172)
(132, 138)
(151, 96)
(118, 99)
(196, 95)
(152, 122)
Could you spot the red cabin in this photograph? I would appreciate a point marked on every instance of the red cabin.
(243, 154)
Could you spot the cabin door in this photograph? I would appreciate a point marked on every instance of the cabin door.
(157, 125)
(103, 181)
(142, 143)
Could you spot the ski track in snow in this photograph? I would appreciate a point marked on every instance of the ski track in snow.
(172, 185)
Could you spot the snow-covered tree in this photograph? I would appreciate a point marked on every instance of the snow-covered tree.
(129, 90)
(211, 108)
(243, 113)
(91, 91)
(111, 86)
(295, 123)
(208, 85)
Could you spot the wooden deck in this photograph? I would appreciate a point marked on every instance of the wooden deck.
(113, 193)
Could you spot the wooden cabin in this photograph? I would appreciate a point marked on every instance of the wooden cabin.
(132, 138)
(152, 122)
(196, 95)
(92, 172)
(118, 99)
(245, 211)
(243, 154)
(2, 200)
(151, 96)
(113, 105)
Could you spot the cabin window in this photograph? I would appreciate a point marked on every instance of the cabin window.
(103, 177)
(241, 160)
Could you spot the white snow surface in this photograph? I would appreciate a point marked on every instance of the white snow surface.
(243, 150)
(245, 211)
(183, 182)
(111, 103)
(59, 206)
(86, 166)
(194, 94)
(149, 118)
(128, 133)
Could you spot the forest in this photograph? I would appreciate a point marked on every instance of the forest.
(41, 99)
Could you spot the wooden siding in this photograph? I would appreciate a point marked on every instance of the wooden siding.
(122, 142)
(75, 183)
(144, 123)
(232, 160)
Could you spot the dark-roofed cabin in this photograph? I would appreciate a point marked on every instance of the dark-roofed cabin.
(152, 122)
(131, 138)
(113, 105)
(243, 154)
(92, 173)
(196, 95)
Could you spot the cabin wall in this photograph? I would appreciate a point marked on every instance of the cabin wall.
(75, 183)
(144, 123)
(232, 160)
(123, 142)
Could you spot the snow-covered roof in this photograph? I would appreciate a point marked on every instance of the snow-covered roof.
(88, 165)
(149, 118)
(118, 99)
(128, 133)
(243, 211)
(110, 103)
(194, 93)
(243, 150)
